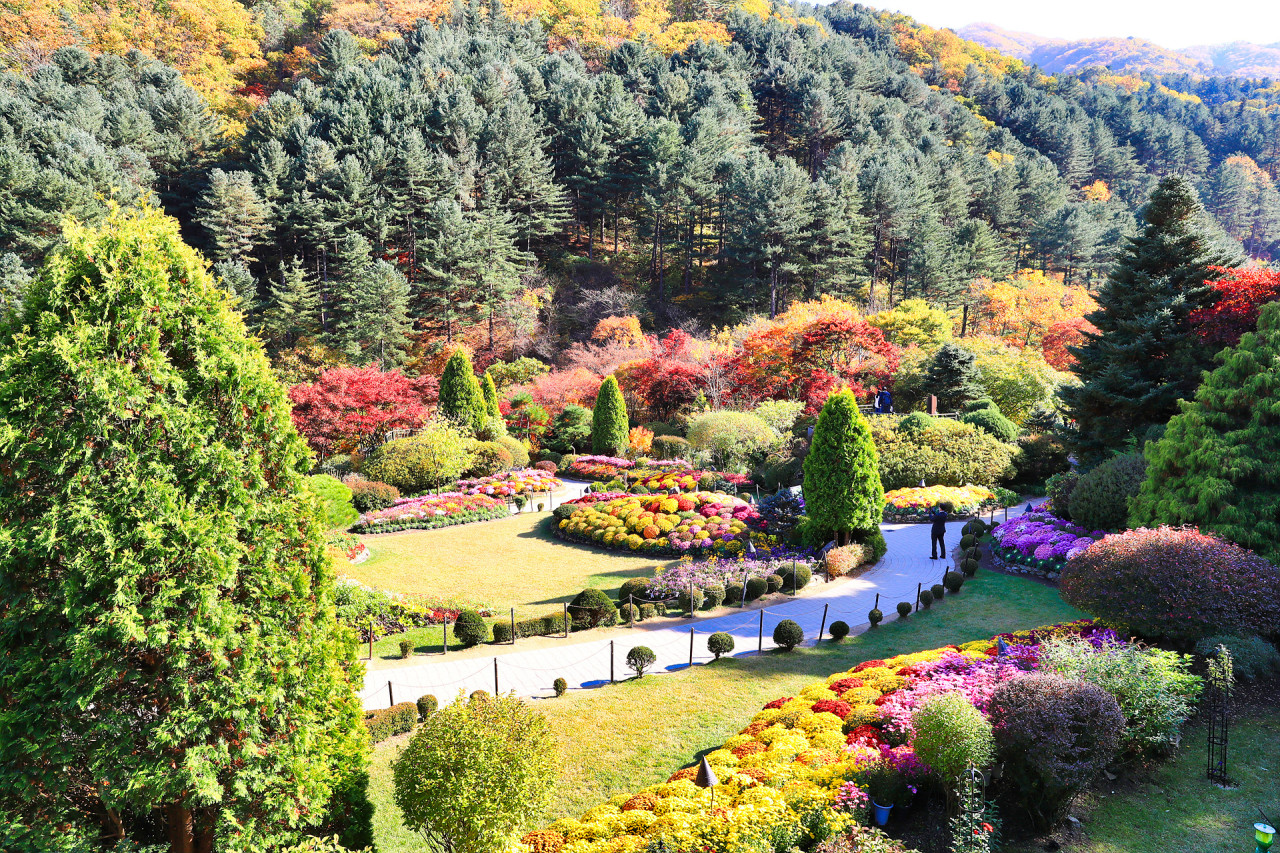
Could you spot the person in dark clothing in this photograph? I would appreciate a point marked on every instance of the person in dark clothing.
(937, 531)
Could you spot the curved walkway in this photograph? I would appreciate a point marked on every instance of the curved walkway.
(587, 662)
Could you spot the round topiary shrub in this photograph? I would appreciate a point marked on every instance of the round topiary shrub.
(488, 458)
(992, 422)
(437, 455)
(756, 587)
(953, 581)
(1100, 501)
(406, 648)
(560, 686)
(546, 465)
(904, 609)
(427, 705)
(974, 527)
(839, 630)
(720, 643)
(926, 599)
(1054, 737)
(733, 593)
(774, 581)
(592, 608)
(470, 629)
(519, 453)
(647, 611)
(796, 579)
(1175, 583)
(502, 632)
(951, 735)
(641, 658)
(480, 695)
(968, 541)
(1059, 488)
(371, 496)
(788, 634)
(938, 590)
(875, 617)
(916, 422)
(627, 614)
(688, 606)
(969, 566)
(714, 596)
(633, 587)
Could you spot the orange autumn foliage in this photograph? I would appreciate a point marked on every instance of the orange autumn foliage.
(1025, 307)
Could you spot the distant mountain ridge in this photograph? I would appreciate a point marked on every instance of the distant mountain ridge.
(1236, 59)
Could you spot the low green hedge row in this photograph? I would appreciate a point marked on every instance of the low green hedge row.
(434, 523)
(538, 626)
(388, 722)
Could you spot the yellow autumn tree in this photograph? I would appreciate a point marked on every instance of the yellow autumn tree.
(1024, 307)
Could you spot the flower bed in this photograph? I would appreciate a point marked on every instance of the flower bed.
(392, 613)
(716, 571)
(660, 475)
(521, 482)
(343, 547)
(916, 503)
(431, 511)
(1039, 541)
(792, 766)
(599, 468)
(701, 522)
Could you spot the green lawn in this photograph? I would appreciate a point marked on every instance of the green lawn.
(513, 562)
(627, 736)
(1180, 811)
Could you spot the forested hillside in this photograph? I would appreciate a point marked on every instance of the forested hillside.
(514, 181)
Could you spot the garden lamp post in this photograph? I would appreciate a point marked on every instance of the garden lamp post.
(706, 778)
(1264, 834)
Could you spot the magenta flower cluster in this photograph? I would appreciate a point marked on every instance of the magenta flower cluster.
(1044, 536)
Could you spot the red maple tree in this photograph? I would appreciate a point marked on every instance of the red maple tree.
(348, 407)
(1241, 295)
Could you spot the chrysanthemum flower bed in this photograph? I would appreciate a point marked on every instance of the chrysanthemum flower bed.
(698, 523)
(790, 769)
(916, 503)
(1040, 540)
(431, 511)
(660, 475)
(598, 468)
(524, 481)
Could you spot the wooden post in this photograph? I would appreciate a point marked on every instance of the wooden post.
(370, 638)
(760, 640)
(743, 601)
(823, 627)
(631, 611)
(495, 677)
(611, 681)
(691, 647)
(446, 635)
(566, 620)
(391, 697)
(933, 405)
(691, 601)
(513, 626)
(919, 586)
(877, 607)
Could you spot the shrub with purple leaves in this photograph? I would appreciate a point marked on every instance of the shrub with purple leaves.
(1054, 737)
(1174, 582)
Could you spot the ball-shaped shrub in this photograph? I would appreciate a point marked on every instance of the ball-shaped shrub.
(875, 616)
(796, 579)
(560, 686)
(788, 634)
(1059, 488)
(502, 632)
(488, 458)
(371, 496)
(733, 593)
(434, 457)
(714, 596)
(926, 599)
(592, 608)
(938, 590)
(1175, 583)
(904, 609)
(839, 630)
(641, 658)
(627, 614)
(470, 629)
(546, 465)
(916, 422)
(1100, 501)
(720, 643)
(968, 541)
(519, 453)
(1054, 737)
(952, 735)
(670, 447)
(756, 587)
(953, 581)
(969, 566)
(688, 605)
(730, 437)
(648, 611)
(1253, 657)
(774, 581)
(974, 527)
(427, 705)
(992, 422)
(406, 648)
(633, 588)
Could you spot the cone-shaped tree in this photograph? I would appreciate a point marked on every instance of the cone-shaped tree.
(461, 399)
(169, 659)
(953, 378)
(1145, 355)
(490, 392)
(842, 491)
(1216, 467)
(609, 420)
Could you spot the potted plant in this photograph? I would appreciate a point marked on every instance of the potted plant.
(886, 787)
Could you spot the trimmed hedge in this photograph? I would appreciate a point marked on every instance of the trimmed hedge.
(389, 722)
(370, 495)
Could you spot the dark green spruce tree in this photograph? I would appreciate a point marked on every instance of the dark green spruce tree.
(1145, 356)
(953, 378)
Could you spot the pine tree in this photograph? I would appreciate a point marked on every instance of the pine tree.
(233, 215)
(14, 278)
(377, 315)
(953, 378)
(165, 553)
(461, 399)
(490, 392)
(1145, 356)
(842, 491)
(500, 263)
(449, 255)
(1215, 467)
(609, 423)
(293, 307)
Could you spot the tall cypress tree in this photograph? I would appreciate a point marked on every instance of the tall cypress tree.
(609, 420)
(490, 392)
(1215, 467)
(842, 491)
(1144, 356)
(461, 399)
(170, 662)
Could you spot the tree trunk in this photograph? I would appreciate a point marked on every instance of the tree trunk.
(180, 829)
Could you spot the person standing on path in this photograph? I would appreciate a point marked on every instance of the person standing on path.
(936, 546)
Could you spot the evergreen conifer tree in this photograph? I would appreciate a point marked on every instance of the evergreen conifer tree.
(233, 214)
(172, 666)
(490, 392)
(1145, 356)
(1215, 466)
(461, 399)
(293, 307)
(842, 490)
(953, 378)
(376, 316)
(609, 424)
